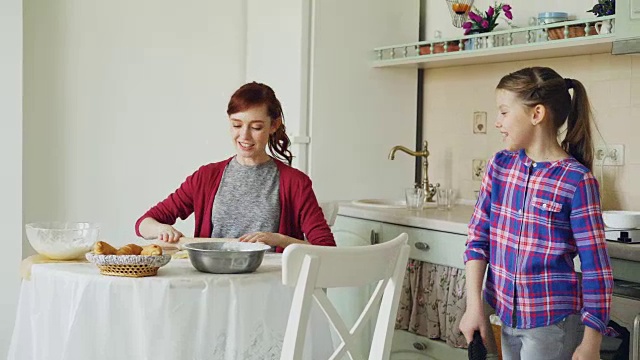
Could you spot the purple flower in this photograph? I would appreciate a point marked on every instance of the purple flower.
(475, 17)
(467, 31)
(490, 12)
(508, 15)
(485, 24)
(467, 25)
(506, 7)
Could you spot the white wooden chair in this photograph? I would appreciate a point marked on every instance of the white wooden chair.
(330, 211)
(311, 269)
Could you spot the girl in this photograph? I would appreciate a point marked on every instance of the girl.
(539, 207)
(251, 196)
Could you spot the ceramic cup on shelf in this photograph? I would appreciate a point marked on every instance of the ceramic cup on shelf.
(415, 198)
(603, 27)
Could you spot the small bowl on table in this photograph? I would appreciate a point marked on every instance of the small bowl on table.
(226, 257)
(60, 240)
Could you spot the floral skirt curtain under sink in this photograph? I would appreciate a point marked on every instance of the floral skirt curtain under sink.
(432, 302)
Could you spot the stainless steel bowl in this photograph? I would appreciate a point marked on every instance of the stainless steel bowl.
(226, 257)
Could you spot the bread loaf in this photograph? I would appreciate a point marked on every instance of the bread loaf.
(129, 249)
(103, 248)
(151, 250)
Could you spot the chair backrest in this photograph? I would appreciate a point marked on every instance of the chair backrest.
(311, 269)
(330, 211)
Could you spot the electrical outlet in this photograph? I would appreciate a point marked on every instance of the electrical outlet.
(609, 155)
(479, 122)
(477, 168)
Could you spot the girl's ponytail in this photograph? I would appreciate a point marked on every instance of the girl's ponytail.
(578, 141)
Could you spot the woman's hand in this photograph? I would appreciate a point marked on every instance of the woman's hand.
(472, 320)
(271, 239)
(168, 233)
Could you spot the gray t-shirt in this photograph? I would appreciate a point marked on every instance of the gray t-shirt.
(248, 200)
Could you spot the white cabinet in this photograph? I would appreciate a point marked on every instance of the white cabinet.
(427, 245)
(350, 231)
(627, 19)
(435, 247)
(343, 116)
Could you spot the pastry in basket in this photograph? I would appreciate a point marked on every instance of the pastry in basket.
(103, 248)
(129, 249)
(151, 250)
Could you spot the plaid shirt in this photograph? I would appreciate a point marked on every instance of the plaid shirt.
(530, 221)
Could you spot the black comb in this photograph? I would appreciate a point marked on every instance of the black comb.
(476, 349)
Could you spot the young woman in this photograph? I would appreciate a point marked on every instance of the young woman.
(539, 208)
(251, 196)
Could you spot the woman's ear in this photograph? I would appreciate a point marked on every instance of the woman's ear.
(275, 125)
(538, 114)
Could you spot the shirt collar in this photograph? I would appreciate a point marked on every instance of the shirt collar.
(526, 161)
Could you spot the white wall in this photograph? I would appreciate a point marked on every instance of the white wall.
(438, 17)
(276, 55)
(613, 86)
(11, 159)
(123, 100)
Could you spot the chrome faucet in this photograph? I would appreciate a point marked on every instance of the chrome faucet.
(429, 189)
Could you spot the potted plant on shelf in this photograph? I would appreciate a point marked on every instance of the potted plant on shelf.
(604, 8)
(485, 22)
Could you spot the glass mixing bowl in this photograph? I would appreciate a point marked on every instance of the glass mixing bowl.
(62, 240)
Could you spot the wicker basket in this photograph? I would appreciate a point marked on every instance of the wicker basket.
(574, 31)
(128, 265)
(129, 270)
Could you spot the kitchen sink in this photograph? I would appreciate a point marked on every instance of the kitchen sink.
(386, 203)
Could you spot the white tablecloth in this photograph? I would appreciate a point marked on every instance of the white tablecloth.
(72, 312)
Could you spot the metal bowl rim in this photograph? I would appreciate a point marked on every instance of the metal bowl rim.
(222, 251)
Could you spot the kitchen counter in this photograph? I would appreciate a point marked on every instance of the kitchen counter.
(454, 221)
(629, 252)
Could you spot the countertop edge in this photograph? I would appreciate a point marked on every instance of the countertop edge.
(454, 221)
(432, 219)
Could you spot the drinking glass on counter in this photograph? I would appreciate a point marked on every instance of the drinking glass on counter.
(445, 198)
(415, 198)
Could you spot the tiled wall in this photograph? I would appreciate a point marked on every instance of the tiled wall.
(453, 94)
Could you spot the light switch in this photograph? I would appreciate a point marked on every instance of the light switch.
(480, 122)
(477, 169)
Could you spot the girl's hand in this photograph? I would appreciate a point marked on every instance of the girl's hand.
(168, 233)
(586, 351)
(271, 239)
(472, 320)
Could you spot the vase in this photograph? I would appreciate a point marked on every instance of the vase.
(478, 42)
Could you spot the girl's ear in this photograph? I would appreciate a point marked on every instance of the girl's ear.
(538, 114)
(275, 125)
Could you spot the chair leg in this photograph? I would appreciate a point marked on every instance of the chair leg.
(294, 336)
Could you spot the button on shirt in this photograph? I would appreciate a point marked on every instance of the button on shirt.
(531, 220)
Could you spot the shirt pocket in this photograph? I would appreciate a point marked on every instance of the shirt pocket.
(546, 205)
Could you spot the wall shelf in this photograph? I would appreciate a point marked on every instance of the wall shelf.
(535, 42)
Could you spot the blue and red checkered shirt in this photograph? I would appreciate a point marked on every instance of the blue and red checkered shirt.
(530, 221)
